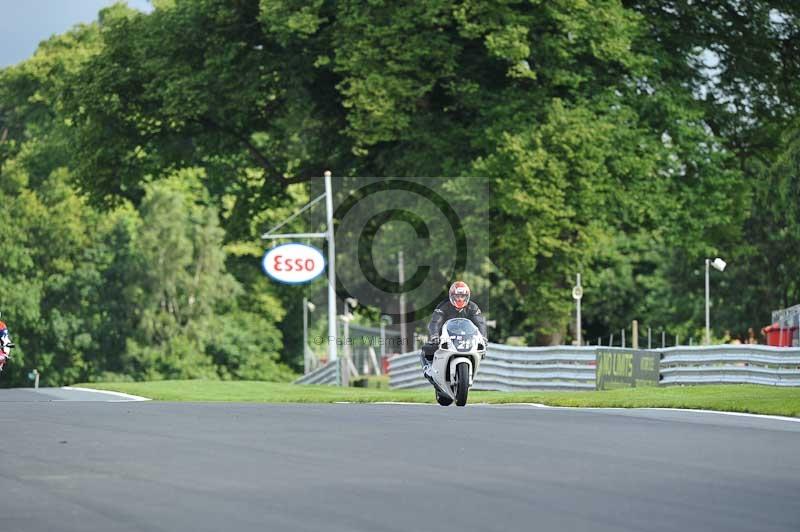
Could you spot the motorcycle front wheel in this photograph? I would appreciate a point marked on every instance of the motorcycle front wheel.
(462, 383)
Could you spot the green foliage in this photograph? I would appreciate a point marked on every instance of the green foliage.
(128, 294)
(158, 96)
(142, 155)
(764, 270)
(558, 198)
(240, 344)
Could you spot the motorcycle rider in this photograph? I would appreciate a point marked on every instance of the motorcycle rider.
(5, 344)
(457, 305)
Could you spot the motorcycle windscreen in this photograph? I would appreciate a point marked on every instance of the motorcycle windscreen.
(463, 334)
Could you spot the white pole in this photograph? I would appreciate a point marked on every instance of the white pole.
(708, 305)
(347, 354)
(402, 279)
(331, 269)
(383, 340)
(578, 324)
(373, 357)
(305, 336)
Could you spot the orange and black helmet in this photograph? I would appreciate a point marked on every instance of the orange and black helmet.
(459, 295)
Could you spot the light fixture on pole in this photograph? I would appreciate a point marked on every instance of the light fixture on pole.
(718, 264)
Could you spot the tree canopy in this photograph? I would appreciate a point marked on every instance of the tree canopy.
(142, 155)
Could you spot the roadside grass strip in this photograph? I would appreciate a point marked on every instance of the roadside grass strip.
(744, 398)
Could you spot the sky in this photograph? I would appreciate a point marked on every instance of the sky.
(25, 23)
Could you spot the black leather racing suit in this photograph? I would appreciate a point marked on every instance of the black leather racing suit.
(446, 311)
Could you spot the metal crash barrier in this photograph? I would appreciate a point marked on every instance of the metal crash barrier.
(740, 364)
(507, 368)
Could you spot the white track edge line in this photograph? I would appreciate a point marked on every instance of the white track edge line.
(725, 413)
(589, 408)
(128, 397)
(696, 410)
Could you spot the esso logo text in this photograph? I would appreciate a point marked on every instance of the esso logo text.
(293, 263)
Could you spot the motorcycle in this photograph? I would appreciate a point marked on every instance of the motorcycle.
(5, 345)
(456, 361)
(5, 354)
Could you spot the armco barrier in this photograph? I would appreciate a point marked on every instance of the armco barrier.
(323, 375)
(740, 364)
(507, 368)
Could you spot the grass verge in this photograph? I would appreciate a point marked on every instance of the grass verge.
(733, 398)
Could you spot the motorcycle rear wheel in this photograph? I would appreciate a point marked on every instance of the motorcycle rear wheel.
(462, 383)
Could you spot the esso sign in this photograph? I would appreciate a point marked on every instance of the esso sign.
(293, 263)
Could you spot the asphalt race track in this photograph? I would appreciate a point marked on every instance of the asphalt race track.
(79, 465)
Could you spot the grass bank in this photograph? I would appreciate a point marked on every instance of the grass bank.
(733, 398)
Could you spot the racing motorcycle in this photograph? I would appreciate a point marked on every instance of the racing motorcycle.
(456, 361)
(5, 346)
(5, 354)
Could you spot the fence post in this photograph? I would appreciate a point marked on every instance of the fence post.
(635, 334)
